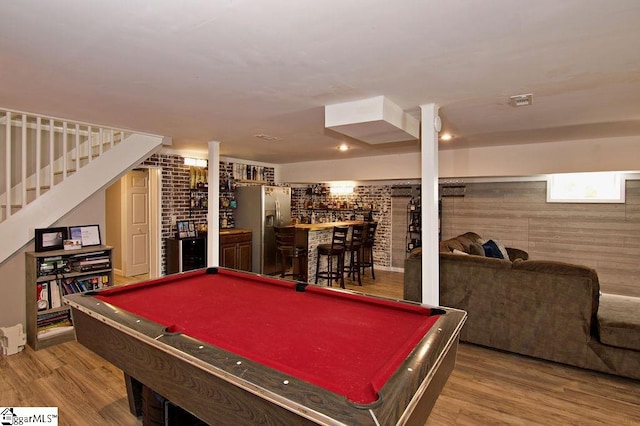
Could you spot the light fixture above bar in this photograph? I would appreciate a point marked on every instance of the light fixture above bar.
(196, 162)
(341, 190)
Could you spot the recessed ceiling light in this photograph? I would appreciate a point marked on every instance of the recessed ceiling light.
(446, 137)
(343, 147)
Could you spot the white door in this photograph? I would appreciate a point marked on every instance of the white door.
(136, 231)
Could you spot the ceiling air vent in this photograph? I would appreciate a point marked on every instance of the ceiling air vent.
(267, 137)
(521, 100)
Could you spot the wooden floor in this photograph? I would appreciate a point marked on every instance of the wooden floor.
(487, 387)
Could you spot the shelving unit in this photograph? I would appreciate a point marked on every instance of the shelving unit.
(198, 199)
(339, 207)
(227, 200)
(414, 224)
(52, 275)
(368, 214)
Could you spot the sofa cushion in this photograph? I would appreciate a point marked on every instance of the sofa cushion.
(473, 237)
(476, 249)
(417, 252)
(471, 243)
(517, 254)
(454, 244)
(619, 321)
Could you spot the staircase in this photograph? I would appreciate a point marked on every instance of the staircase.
(50, 165)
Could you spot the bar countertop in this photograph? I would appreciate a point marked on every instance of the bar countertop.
(327, 225)
(230, 231)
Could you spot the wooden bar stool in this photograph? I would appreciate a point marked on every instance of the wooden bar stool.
(353, 252)
(332, 251)
(290, 254)
(367, 248)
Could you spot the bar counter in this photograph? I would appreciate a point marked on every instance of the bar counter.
(312, 235)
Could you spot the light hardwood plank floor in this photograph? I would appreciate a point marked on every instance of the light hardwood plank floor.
(487, 387)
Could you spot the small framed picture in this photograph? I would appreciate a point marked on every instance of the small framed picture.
(182, 228)
(48, 239)
(89, 235)
(185, 229)
(72, 244)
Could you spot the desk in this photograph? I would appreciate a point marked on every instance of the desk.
(233, 347)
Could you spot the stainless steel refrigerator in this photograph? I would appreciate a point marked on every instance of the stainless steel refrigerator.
(260, 208)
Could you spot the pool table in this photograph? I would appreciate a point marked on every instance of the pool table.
(234, 347)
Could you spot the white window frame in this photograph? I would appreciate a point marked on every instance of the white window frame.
(571, 188)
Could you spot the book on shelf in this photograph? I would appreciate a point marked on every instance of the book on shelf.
(52, 318)
(54, 331)
(90, 261)
(56, 297)
(54, 323)
(82, 284)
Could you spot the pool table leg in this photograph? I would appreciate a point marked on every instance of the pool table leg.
(134, 394)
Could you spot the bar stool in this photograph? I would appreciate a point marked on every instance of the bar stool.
(367, 248)
(353, 250)
(334, 250)
(290, 254)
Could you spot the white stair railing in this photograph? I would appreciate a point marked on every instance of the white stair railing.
(41, 152)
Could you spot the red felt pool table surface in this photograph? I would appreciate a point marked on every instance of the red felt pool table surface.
(346, 343)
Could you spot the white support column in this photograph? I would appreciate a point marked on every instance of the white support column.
(213, 213)
(429, 198)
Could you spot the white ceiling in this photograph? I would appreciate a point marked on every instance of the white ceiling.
(228, 70)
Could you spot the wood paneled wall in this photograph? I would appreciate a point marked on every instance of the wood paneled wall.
(605, 237)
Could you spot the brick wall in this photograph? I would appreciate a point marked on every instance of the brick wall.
(176, 197)
(366, 197)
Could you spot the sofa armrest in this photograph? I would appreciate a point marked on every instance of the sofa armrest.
(540, 309)
(413, 279)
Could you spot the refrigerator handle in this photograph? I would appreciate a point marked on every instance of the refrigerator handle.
(277, 203)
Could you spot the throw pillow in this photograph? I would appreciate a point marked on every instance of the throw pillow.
(477, 249)
(491, 249)
(503, 249)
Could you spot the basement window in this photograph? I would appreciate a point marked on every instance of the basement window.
(598, 187)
